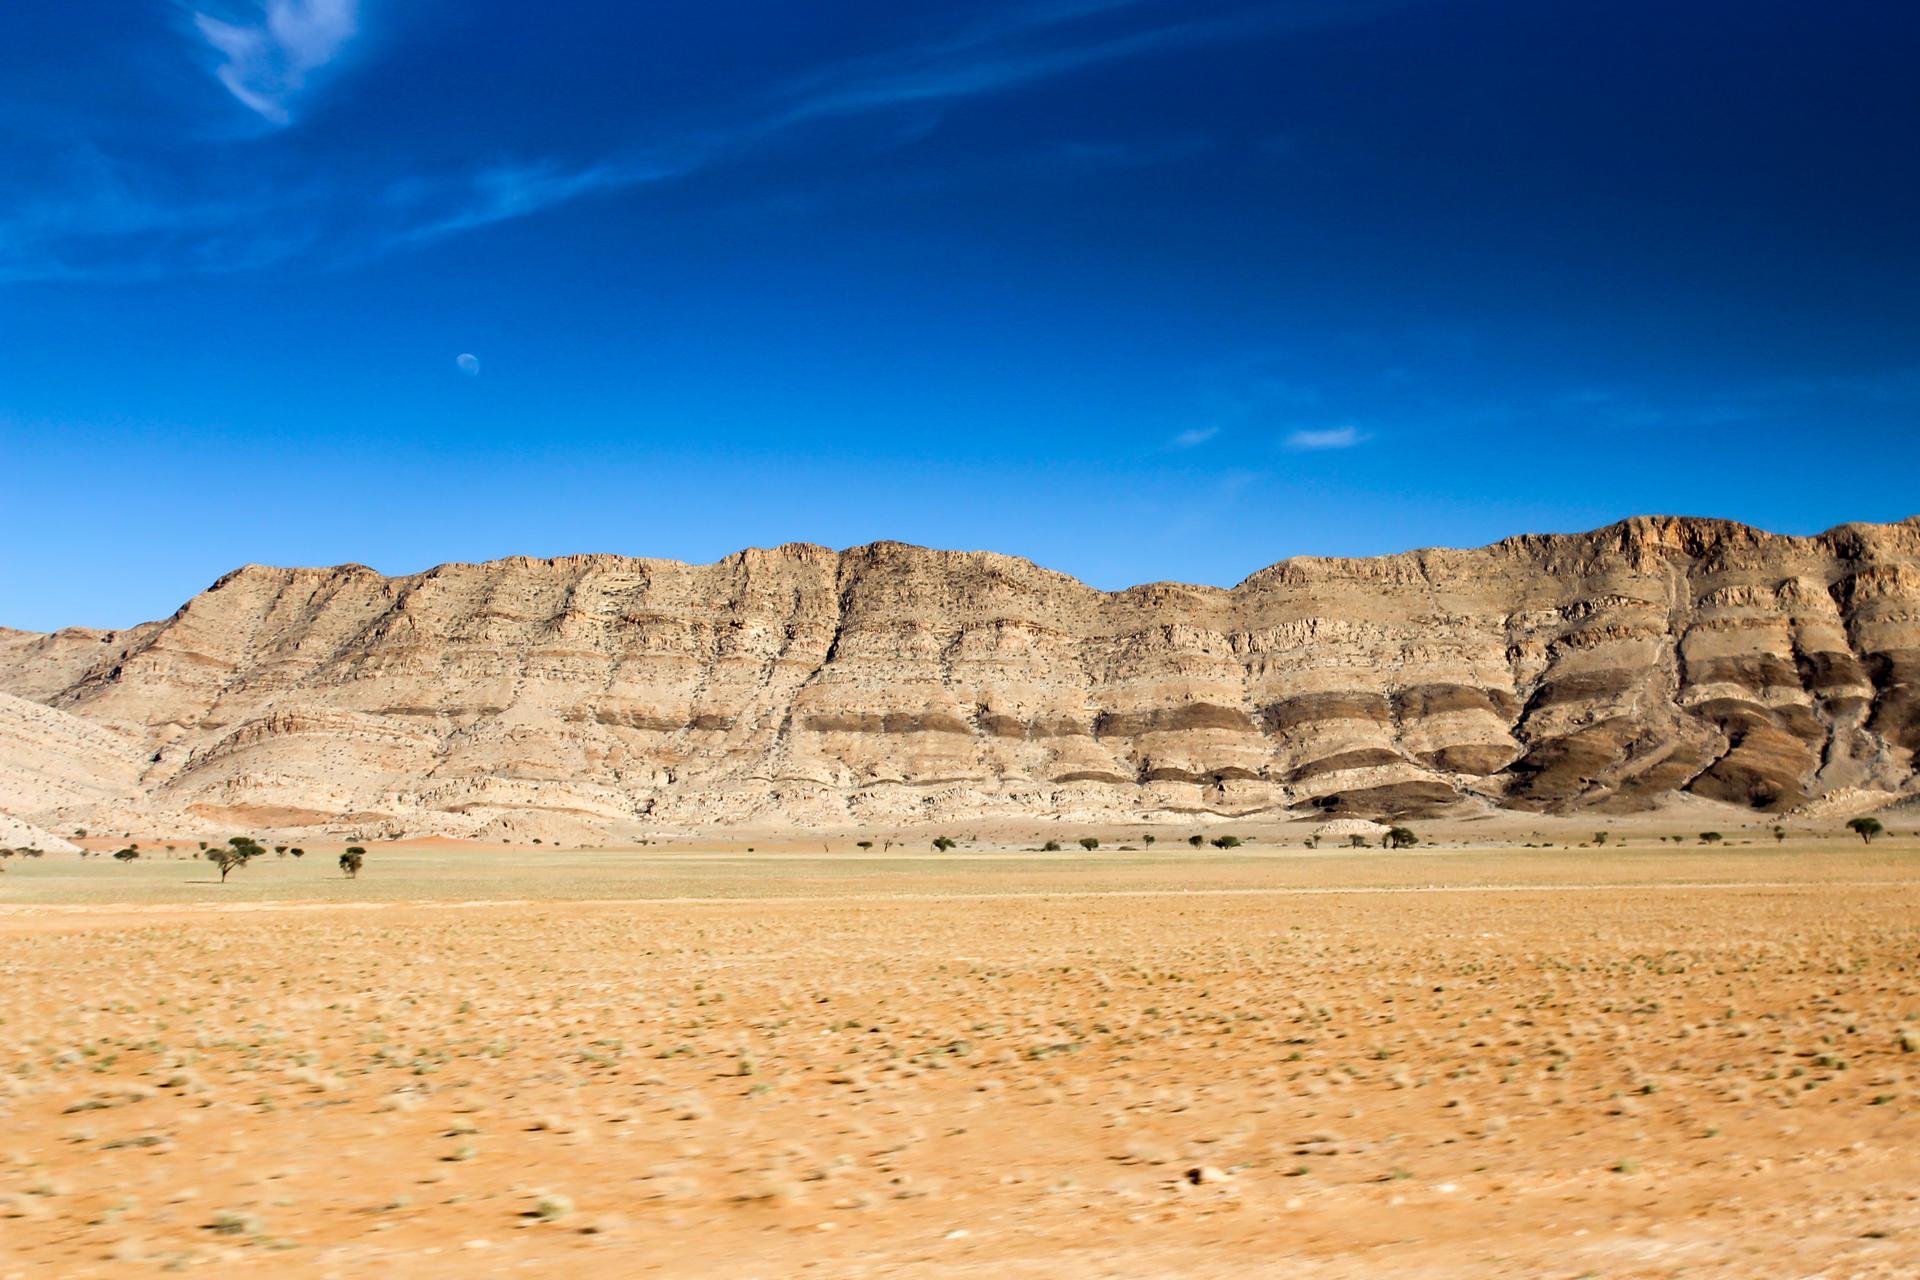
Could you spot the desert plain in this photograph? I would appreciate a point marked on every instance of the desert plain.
(1464, 1060)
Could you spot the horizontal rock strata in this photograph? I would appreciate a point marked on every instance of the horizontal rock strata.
(888, 684)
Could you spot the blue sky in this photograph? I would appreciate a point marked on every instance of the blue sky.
(1136, 288)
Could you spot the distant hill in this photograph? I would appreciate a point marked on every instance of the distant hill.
(606, 697)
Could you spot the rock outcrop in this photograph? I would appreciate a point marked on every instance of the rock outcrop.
(52, 762)
(595, 696)
(15, 834)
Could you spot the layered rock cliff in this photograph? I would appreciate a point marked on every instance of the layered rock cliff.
(887, 684)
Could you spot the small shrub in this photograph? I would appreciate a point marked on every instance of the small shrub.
(234, 1222)
(551, 1208)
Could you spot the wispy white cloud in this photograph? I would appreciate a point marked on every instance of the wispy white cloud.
(117, 223)
(503, 192)
(98, 218)
(1193, 437)
(149, 221)
(941, 67)
(1330, 438)
(267, 61)
(1042, 42)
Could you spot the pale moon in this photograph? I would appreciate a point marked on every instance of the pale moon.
(469, 364)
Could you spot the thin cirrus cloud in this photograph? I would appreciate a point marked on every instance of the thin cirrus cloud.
(1322, 440)
(265, 63)
(973, 72)
(1194, 437)
(500, 193)
(270, 54)
(969, 66)
(1033, 43)
(996, 55)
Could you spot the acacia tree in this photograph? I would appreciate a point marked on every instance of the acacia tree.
(350, 861)
(942, 843)
(236, 854)
(1196, 841)
(1089, 843)
(1399, 838)
(1865, 828)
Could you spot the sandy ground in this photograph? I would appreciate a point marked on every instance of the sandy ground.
(1463, 1063)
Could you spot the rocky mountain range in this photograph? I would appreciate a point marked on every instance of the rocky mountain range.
(597, 696)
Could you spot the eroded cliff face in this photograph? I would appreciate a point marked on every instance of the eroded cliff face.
(604, 696)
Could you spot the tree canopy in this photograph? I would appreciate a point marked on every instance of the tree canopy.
(1866, 828)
